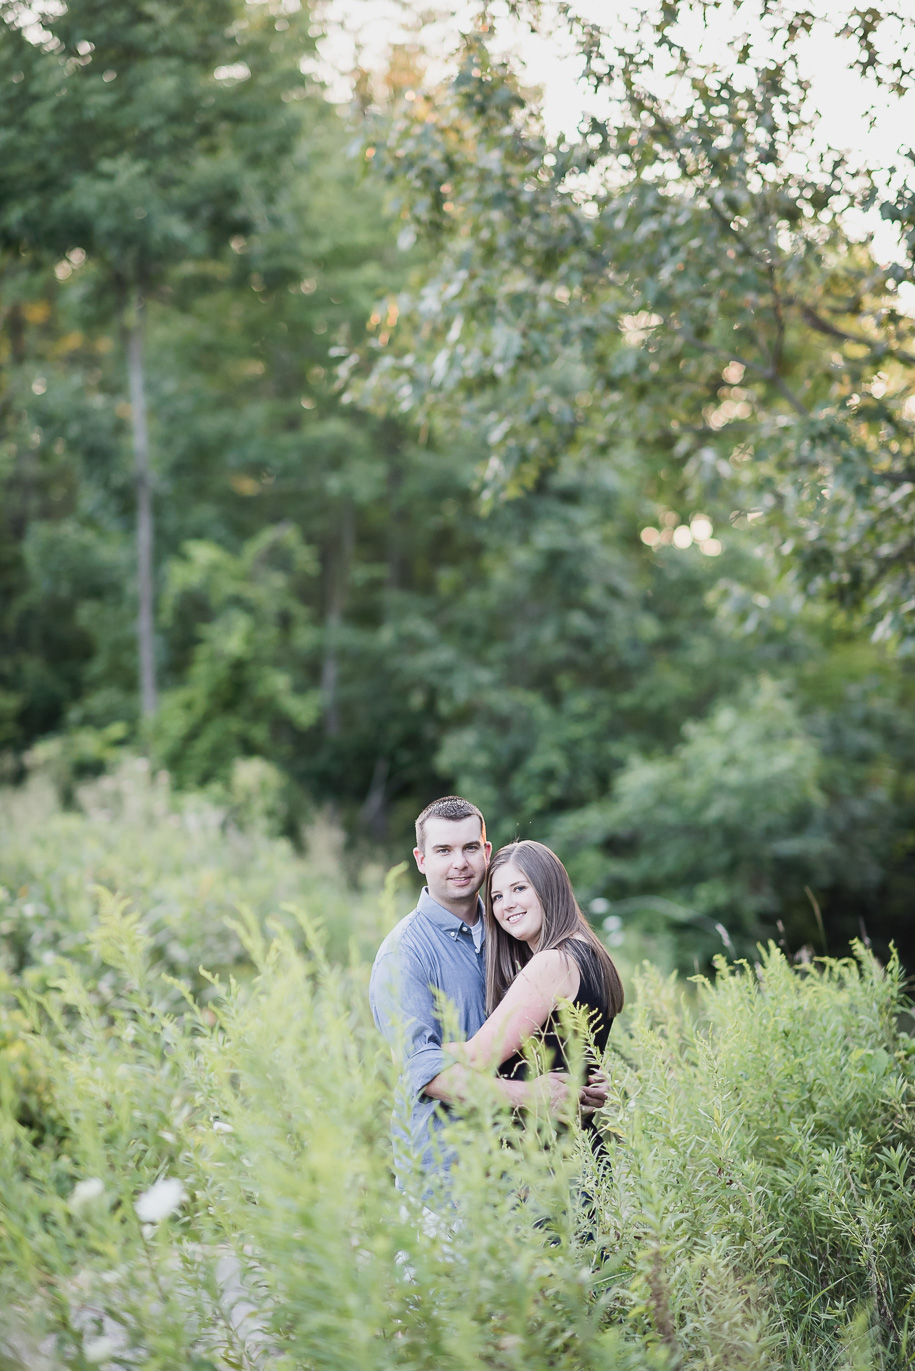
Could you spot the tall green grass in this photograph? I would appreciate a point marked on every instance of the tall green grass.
(758, 1209)
(183, 862)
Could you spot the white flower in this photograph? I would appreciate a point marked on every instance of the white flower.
(84, 1192)
(100, 1349)
(160, 1200)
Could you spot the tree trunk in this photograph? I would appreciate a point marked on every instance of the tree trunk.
(133, 326)
(395, 539)
(338, 566)
(373, 812)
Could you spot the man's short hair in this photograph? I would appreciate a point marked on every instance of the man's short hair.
(448, 807)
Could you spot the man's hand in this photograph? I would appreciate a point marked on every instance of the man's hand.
(553, 1090)
(594, 1093)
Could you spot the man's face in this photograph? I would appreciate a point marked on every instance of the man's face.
(455, 859)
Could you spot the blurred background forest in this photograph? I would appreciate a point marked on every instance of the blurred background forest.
(352, 454)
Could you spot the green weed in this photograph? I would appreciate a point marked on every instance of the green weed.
(203, 1180)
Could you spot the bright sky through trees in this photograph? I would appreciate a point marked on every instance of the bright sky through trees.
(853, 116)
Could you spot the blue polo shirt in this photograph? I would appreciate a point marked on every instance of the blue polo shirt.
(430, 953)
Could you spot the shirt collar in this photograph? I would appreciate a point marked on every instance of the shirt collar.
(448, 922)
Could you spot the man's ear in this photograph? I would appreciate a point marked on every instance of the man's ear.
(487, 848)
(420, 858)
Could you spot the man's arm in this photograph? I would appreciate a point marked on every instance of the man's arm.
(405, 1013)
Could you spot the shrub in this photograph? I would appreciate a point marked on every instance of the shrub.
(184, 861)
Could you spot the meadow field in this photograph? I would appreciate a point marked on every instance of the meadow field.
(194, 1110)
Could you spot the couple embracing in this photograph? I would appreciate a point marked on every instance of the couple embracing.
(505, 963)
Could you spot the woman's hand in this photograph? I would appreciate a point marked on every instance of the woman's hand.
(594, 1093)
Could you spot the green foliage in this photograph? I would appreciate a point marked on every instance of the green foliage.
(72, 757)
(207, 1183)
(761, 1161)
(729, 824)
(681, 278)
(128, 131)
(756, 816)
(246, 682)
(192, 866)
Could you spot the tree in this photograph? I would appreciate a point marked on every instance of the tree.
(246, 691)
(681, 279)
(140, 135)
(65, 509)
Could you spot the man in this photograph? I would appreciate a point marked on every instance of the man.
(438, 951)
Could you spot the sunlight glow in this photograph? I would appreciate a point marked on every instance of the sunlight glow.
(237, 71)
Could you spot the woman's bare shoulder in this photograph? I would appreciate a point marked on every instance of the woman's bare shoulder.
(549, 957)
(553, 965)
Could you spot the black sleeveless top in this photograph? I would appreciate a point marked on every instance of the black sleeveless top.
(591, 997)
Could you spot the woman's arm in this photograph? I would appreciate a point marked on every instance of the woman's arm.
(458, 1083)
(549, 977)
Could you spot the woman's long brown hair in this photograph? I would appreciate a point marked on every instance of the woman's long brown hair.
(562, 920)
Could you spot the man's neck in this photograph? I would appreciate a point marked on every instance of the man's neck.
(467, 910)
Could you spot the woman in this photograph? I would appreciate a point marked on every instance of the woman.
(540, 953)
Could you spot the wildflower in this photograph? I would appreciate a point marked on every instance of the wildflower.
(160, 1200)
(84, 1193)
(100, 1349)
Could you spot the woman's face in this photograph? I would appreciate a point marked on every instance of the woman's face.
(516, 905)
